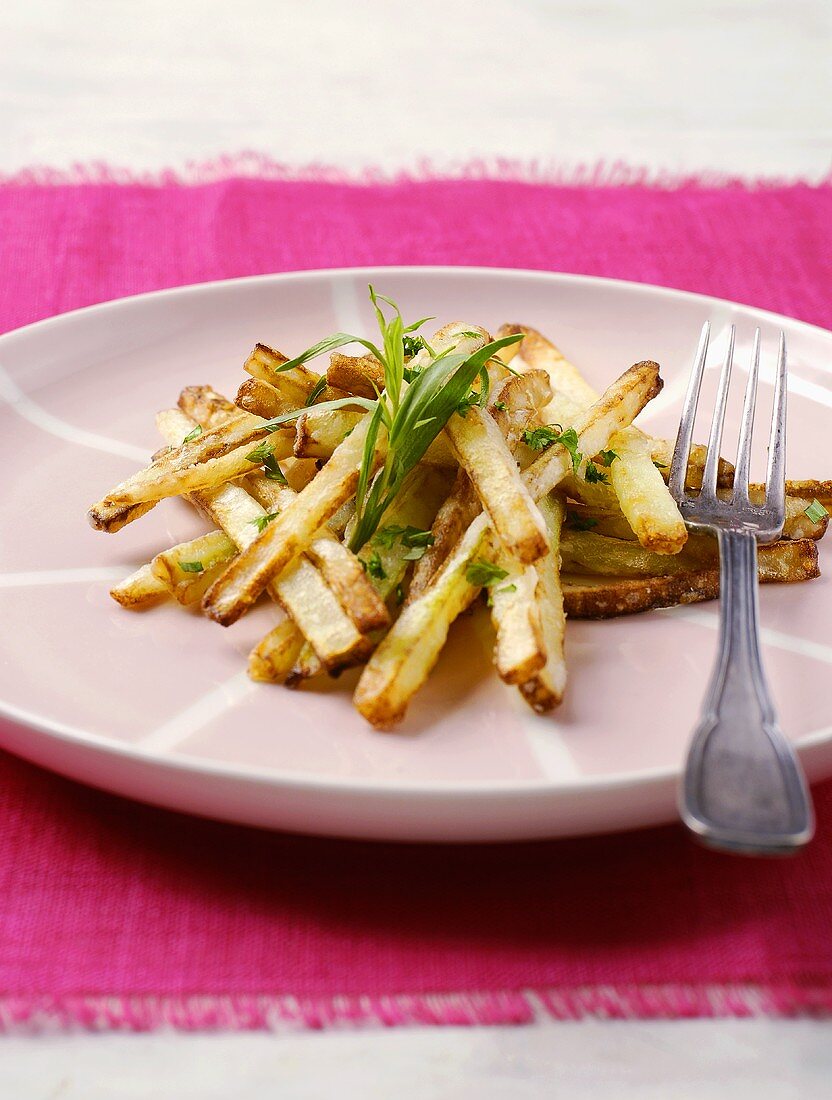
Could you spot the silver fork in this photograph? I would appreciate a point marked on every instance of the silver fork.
(743, 789)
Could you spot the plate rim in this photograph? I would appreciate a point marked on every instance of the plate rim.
(369, 787)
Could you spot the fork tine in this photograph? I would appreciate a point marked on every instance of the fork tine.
(681, 451)
(776, 475)
(744, 448)
(715, 438)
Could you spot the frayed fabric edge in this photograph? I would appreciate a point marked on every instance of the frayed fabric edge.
(268, 1012)
(252, 165)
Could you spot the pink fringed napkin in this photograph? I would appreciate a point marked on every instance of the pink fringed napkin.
(116, 915)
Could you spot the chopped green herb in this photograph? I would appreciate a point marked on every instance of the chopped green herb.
(412, 417)
(547, 435)
(507, 588)
(415, 539)
(194, 434)
(349, 431)
(816, 511)
(262, 522)
(386, 536)
(594, 476)
(399, 594)
(581, 523)
(191, 566)
(273, 472)
(373, 566)
(412, 345)
(416, 536)
(483, 573)
(317, 390)
(607, 457)
(659, 465)
(260, 454)
(544, 436)
(501, 405)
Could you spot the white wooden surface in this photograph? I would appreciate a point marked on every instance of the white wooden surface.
(738, 86)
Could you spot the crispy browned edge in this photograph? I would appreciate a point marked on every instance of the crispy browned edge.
(609, 597)
(361, 375)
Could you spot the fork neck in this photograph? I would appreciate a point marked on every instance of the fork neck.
(739, 621)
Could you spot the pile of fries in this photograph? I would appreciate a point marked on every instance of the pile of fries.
(535, 491)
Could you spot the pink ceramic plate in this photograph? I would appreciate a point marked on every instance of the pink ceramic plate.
(157, 705)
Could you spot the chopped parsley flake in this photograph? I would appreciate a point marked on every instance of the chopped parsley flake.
(415, 540)
(483, 573)
(607, 457)
(373, 566)
(192, 435)
(594, 476)
(581, 523)
(191, 566)
(546, 435)
(262, 522)
(412, 345)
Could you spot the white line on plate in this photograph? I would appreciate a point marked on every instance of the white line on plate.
(551, 752)
(775, 638)
(193, 718)
(29, 410)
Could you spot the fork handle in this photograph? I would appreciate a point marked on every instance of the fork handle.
(743, 789)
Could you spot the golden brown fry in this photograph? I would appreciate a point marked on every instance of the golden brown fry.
(362, 375)
(109, 517)
(317, 434)
(481, 450)
(307, 666)
(545, 690)
(811, 490)
(518, 652)
(610, 521)
(568, 385)
(277, 546)
(141, 589)
(295, 385)
(207, 459)
(593, 553)
(516, 402)
(301, 591)
(645, 500)
(609, 597)
(598, 597)
(261, 399)
(339, 567)
(188, 585)
(206, 406)
(404, 658)
(643, 496)
(615, 409)
(272, 658)
(662, 455)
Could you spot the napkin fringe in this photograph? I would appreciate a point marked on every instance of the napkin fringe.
(249, 164)
(266, 1012)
